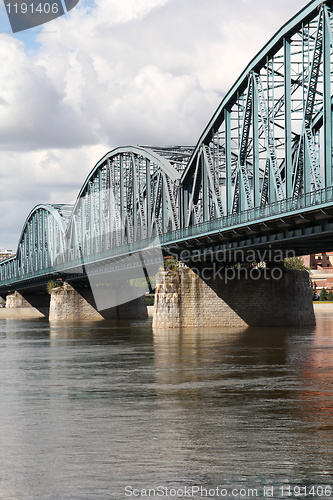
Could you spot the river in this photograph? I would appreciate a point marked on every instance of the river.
(97, 411)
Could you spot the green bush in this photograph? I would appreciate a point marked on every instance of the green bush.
(313, 290)
(50, 286)
(54, 284)
(323, 294)
(330, 296)
(295, 263)
(171, 264)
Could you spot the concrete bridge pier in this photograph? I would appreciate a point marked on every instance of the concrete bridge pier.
(234, 297)
(77, 303)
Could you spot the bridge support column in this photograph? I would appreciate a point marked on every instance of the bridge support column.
(69, 303)
(28, 304)
(234, 297)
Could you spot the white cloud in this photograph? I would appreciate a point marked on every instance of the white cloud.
(123, 72)
(33, 113)
(44, 176)
(116, 12)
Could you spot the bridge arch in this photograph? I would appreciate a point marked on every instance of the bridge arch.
(270, 139)
(41, 243)
(130, 195)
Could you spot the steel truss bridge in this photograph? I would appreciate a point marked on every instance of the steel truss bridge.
(259, 177)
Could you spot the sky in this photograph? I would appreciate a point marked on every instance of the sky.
(115, 73)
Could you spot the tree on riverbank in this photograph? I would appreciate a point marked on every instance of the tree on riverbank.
(323, 294)
(296, 263)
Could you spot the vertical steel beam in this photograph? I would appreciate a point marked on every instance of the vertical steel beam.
(241, 205)
(148, 200)
(33, 252)
(83, 226)
(54, 236)
(255, 136)
(205, 187)
(92, 215)
(287, 117)
(100, 201)
(134, 200)
(181, 206)
(110, 200)
(163, 210)
(37, 247)
(44, 251)
(122, 198)
(228, 180)
(307, 168)
(24, 257)
(327, 105)
(186, 202)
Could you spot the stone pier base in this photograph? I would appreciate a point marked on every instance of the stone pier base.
(280, 297)
(36, 304)
(68, 303)
(16, 301)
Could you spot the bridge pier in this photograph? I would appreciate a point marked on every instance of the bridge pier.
(234, 297)
(69, 303)
(29, 304)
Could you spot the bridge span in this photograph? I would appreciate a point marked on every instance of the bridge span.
(259, 178)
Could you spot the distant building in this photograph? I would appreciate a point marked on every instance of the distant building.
(321, 269)
(6, 254)
(319, 260)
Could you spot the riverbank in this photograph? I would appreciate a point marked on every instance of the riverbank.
(20, 313)
(323, 306)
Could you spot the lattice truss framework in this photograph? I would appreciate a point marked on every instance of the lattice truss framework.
(42, 240)
(270, 140)
(131, 195)
(271, 137)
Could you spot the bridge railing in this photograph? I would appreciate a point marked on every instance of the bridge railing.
(283, 208)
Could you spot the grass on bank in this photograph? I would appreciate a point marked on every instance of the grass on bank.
(323, 302)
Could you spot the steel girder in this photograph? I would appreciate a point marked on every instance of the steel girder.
(271, 137)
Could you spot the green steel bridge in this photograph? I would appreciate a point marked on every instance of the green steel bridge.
(260, 176)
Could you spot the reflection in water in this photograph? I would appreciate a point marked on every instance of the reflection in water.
(240, 400)
(317, 369)
(88, 408)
